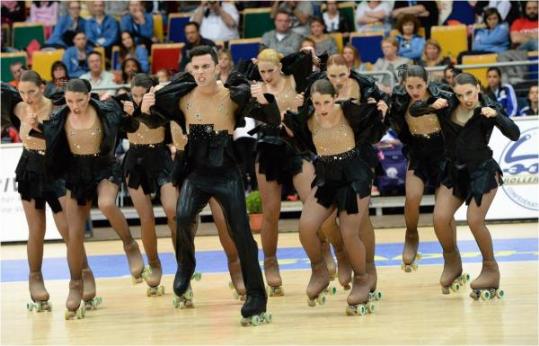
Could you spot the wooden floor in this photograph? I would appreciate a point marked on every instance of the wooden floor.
(413, 311)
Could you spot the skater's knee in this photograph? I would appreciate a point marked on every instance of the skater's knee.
(475, 221)
(442, 219)
(106, 204)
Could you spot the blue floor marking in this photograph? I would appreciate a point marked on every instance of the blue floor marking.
(389, 254)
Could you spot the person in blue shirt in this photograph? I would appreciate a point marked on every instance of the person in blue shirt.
(139, 23)
(503, 93)
(102, 30)
(128, 49)
(75, 57)
(533, 102)
(67, 27)
(410, 43)
(495, 37)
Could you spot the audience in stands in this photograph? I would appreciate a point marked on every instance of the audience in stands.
(426, 11)
(218, 20)
(282, 39)
(390, 61)
(192, 39)
(45, 12)
(373, 16)
(411, 45)
(128, 49)
(334, 20)
(75, 57)
(116, 8)
(299, 11)
(503, 93)
(13, 11)
(98, 77)
(102, 29)
(67, 26)
(324, 43)
(16, 68)
(503, 7)
(495, 37)
(225, 65)
(130, 67)
(432, 56)
(450, 72)
(59, 77)
(532, 108)
(353, 60)
(163, 77)
(138, 23)
(524, 30)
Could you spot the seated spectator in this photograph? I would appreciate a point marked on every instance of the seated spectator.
(163, 78)
(282, 39)
(218, 20)
(138, 23)
(450, 72)
(299, 11)
(373, 16)
(192, 40)
(102, 30)
(128, 49)
(98, 77)
(426, 11)
(503, 93)
(75, 57)
(503, 7)
(67, 26)
(45, 12)
(59, 78)
(410, 43)
(495, 37)
(532, 108)
(308, 43)
(130, 67)
(353, 60)
(390, 61)
(432, 56)
(226, 64)
(334, 20)
(13, 11)
(324, 43)
(16, 68)
(524, 31)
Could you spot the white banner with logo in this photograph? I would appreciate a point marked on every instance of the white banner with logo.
(518, 198)
(13, 225)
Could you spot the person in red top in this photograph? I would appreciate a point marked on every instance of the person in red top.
(524, 30)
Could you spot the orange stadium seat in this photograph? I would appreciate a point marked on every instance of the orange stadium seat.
(42, 62)
(453, 39)
(479, 73)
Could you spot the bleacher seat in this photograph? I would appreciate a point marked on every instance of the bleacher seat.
(158, 30)
(479, 73)
(166, 55)
(176, 25)
(7, 59)
(256, 21)
(6, 35)
(533, 69)
(115, 58)
(244, 49)
(453, 39)
(42, 62)
(368, 44)
(24, 33)
(337, 36)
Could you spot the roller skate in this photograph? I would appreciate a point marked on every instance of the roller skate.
(135, 261)
(318, 286)
(254, 312)
(152, 275)
(358, 300)
(486, 285)
(374, 294)
(344, 269)
(75, 310)
(38, 293)
(88, 290)
(184, 301)
(273, 277)
(410, 256)
(236, 282)
(330, 261)
(452, 278)
(183, 294)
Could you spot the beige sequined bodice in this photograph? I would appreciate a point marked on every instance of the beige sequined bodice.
(333, 140)
(85, 141)
(217, 109)
(423, 125)
(145, 135)
(31, 142)
(286, 98)
(179, 139)
(352, 92)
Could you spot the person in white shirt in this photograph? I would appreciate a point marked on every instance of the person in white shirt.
(373, 16)
(98, 77)
(218, 20)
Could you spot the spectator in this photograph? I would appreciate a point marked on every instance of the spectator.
(532, 107)
(299, 12)
(309, 44)
(524, 31)
(16, 68)
(411, 45)
(128, 49)
(495, 37)
(503, 93)
(59, 78)
(373, 16)
(163, 78)
(450, 72)
(324, 43)
(45, 12)
(98, 77)
(13, 11)
(138, 23)
(75, 57)
(391, 61)
(503, 7)
(67, 26)
(432, 56)
(282, 39)
(102, 30)
(334, 20)
(130, 67)
(353, 60)
(225, 65)
(192, 40)
(116, 8)
(426, 11)
(218, 20)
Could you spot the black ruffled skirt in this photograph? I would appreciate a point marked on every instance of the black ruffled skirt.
(32, 182)
(341, 178)
(468, 183)
(148, 166)
(85, 172)
(425, 156)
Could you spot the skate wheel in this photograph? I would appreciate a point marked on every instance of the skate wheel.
(81, 312)
(48, 307)
(311, 302)
(362, 310)
(149, 292)
(68, 314)
(485, 295)
(188, 295)
(474, 295)
(500, 294)
(332, 291)
(30, 306)
(378, 295)
(371, 307)
(455, 286)
(465, 278)
(146, 272)
(267, 317)
(350, 311)
(255, 320)
(321, 300)
(197, 276)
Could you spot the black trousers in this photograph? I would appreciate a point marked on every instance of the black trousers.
(226, 186)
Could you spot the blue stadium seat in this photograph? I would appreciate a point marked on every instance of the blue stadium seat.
(368, 44)
(244, 49)
(176, 25)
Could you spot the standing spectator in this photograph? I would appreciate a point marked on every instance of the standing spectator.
(432, 56)
(300, 12)
(45, 12)
(130, 67)
(16, 68)
(334, 20)
(503, 93)
(282, 39)
(128, 49)
(102, 30)
(524, 31)
(67, 26)
(75, 57)
(59, 78)
(532, 107)
(324, 43)
(192, 39)
(218, 21)
(225, 65)
(390, 61)
(495, 37)
(373, 16)
(353, 60)
(138, 23)
(13, 11)
(98, 77)
(410, 43)
(426, 11)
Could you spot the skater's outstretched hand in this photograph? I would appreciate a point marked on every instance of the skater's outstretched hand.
(129, 108)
